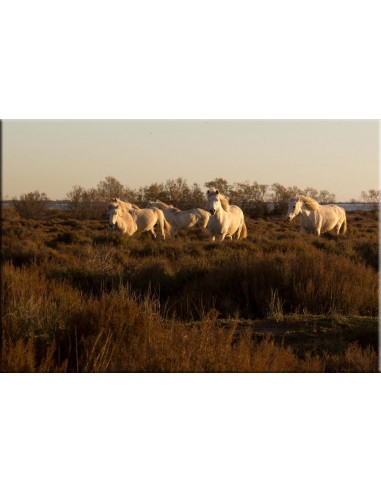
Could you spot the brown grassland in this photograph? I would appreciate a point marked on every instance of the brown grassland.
(76, 297)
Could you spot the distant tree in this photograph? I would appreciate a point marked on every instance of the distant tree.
(252, 198)
(220, 184)
(371, 196)
(152, 192)
(130, 195)
(109, 188)
(31, 205)
(311, 192)
(175, 192)
(197, 197)
(75, 197)
(326, 197)
(280, 196)
(178, 192)
(87, 203)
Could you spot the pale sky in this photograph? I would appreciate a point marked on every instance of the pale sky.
(52, 156)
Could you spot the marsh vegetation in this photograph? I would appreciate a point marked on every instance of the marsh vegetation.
(77, 297)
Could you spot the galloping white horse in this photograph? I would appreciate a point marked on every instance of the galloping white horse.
(226, 219)
(317, 218)
(121, 220)
(145, 218)
(182, 219)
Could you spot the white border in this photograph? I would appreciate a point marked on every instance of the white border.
(172, 59)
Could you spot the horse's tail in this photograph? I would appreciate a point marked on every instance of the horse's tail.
(163, 223)
(167, 225)
(244, 231)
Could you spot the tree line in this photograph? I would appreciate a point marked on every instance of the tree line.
(256, 200)
(253, 198)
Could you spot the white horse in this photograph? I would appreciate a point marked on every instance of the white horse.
(182, 219)
(317, 218)
(121, 220)
(145, 218)
(226, 219)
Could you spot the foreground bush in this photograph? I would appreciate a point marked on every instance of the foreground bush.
(50, 326)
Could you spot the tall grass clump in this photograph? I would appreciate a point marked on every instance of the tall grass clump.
(308, 281)
(52, 327)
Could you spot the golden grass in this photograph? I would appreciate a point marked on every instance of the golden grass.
(76, 298)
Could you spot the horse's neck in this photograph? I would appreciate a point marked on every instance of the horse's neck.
(220, 213)
(120, 223)
(306, 212)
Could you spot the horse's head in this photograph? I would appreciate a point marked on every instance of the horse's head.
(113, 215)
(214, 201)
(294, 208)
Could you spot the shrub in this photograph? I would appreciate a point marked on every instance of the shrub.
(31, 205)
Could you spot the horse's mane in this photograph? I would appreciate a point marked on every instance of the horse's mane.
(161, 203)
(171, 208)
(118, 203)
(224, 201)
(309, 202)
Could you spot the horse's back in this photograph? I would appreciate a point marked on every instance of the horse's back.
(339, 210)
(332, 215)
(146, 218)
(236, 211)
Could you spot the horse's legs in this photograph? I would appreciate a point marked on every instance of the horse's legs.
(162, 229)
(152, 232)
(318, 227)
(341, 227)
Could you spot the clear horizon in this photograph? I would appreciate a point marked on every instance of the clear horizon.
(52, 156)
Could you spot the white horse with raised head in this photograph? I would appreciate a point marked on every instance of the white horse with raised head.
(121, 220)
(182, 219)
(316, 218)
(145, 218)
(226, 220)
